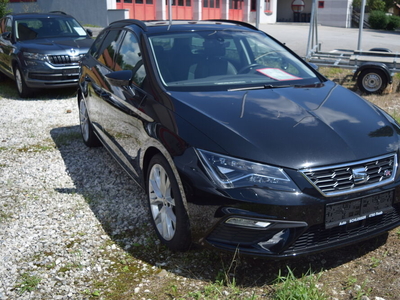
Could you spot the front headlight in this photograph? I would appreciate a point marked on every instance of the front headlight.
(35, 56)
(229, 172)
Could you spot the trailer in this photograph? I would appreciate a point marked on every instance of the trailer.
(373, 70)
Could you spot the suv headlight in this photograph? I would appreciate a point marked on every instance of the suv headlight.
(229, 172)
(35, 56)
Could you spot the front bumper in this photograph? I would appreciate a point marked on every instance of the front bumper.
(292, 223)
(287, 239)
(45, 75)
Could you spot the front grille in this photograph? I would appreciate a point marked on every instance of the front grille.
(66, 75)
(353, 177)
(317, 237)
(63, 59)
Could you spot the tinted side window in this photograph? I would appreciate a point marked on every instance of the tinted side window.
(130, 58)
(95, 48)
(106, 53)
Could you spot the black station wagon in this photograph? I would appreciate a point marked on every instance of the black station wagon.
(237, 141)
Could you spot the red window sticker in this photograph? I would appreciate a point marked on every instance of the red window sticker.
(278, 74)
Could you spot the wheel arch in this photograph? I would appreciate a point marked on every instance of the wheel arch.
(150, 152)
(374, 65)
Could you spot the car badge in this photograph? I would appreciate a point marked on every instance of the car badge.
(72, 51)
(387, 173)
(359, 175)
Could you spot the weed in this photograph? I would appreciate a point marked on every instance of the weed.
(374, 262)
(4, 216)
(28, 283)
(35, 148)
(290, 288)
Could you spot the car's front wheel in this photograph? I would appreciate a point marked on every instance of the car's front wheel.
(167, 211)
(88, 135)
(23, 90)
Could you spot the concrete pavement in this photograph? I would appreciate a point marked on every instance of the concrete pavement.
(295, 36)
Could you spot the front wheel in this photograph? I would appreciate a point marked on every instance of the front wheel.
(372, 81)
(89, 137)
(167, 211)
(23, 90)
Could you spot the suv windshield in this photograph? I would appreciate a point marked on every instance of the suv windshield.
(38, 28)
(222, 60)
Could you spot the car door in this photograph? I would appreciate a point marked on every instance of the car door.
(124, 119)
(6, 46)
(98, 63)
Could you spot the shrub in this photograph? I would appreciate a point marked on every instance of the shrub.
(378, 19)
(3, 8)
(393, 23)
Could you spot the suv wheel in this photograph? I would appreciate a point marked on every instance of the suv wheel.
(23, 90)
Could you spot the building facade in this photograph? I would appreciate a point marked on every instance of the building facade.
(103, 12)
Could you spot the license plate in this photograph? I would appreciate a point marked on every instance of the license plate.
(347, 212)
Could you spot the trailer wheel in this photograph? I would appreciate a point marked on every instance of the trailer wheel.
(372, 81)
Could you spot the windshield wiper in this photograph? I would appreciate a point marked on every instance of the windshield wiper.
(262, 87)
(271, 86)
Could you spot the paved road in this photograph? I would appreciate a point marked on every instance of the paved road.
(296, 36)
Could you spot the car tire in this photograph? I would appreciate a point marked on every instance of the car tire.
(167, 211)
(23, 90)
(89, 137)
(372, 81)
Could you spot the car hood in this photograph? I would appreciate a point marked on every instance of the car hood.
(290, 127)
(55, 45)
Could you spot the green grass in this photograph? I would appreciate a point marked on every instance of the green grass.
(28, 283)
(291, 288)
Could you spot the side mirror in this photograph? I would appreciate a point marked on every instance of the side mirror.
(6, 35)
(89, 32)
(120, 78)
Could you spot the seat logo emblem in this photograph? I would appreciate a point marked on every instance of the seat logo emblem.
(359, 175)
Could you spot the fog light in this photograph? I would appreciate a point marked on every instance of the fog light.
(247, 223)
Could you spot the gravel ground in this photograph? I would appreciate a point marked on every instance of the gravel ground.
(73, 225)
(54, 221)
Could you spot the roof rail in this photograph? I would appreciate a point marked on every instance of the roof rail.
(234, 22)
(58, 12)
(124, 22)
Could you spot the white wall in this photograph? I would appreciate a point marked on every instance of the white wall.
(335, 13)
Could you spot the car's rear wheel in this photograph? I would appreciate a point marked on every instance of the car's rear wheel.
(23, 90)
(167, 211)
(88, 135)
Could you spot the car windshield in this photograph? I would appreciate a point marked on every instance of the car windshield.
(226, 60)
(39, 28)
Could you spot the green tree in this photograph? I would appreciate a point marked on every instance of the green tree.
(376, 5)
(3, 8)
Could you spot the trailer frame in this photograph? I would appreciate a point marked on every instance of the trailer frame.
(373, 70)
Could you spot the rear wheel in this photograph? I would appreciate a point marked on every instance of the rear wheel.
(23, 90)
(167, 211)
(372, 81)
(88, 135)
